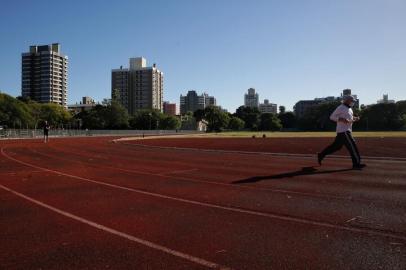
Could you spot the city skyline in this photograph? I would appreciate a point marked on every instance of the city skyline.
(225, 49)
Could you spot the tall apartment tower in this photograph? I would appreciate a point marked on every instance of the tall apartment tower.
(119, 86)
(139, 87)
(45, 74)
(251, 99)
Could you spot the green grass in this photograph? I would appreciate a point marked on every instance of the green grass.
(401, 134)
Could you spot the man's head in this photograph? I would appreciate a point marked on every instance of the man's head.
(349, 100)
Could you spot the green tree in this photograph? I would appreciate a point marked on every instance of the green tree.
(111, 116)
(270, 121)
(318, 117)
(236, 123)
(199, 114)
(249, 115)
(93, 119)
(401, 106)
(55, 114)
(288, 120)
(14, 113)
(116, 116)
(382, 117)
(282, 109)
(216, 118)
(169, 122)
(146, 119)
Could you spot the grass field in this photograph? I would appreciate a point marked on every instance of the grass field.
(401, 134)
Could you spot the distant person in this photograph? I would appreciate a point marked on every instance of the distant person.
(344, 117)
(46, 131)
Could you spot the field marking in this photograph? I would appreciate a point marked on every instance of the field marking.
(313, 156)
(368, 231)
(98, 226)
(189, 179)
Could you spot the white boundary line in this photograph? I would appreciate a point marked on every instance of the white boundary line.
(368, 231)
(118, 233)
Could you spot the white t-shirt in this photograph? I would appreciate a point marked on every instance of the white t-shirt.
(345, 112)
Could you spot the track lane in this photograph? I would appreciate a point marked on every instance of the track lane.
(39, 238)
(381, 146)
(346, 187)
(248, 243)
(337, 218)
(226, 176)
(340, 245)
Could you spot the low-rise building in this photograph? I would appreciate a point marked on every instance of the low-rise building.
(170, 108)
(302, 106)
(192, 102)
(268, 107)
(86, 104)
(385, 100)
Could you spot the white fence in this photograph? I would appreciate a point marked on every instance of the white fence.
(32, 133)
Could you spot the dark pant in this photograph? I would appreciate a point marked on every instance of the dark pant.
(344, 138)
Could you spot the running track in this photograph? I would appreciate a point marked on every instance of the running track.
(89, 203)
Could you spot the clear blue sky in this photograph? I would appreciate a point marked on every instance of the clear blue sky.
(287, 50)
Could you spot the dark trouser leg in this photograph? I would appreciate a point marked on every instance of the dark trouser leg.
(352, 148)
(335, 146)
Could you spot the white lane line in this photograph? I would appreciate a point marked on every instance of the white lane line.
(290, 155)
(118, 233)
(216, 206)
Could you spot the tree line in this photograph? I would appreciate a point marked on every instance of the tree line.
(390, 116)
(25, 113)
(384, 116)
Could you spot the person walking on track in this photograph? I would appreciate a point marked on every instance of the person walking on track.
(46, 131)
(344, 117)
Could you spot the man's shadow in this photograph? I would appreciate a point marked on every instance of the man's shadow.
(303, 171)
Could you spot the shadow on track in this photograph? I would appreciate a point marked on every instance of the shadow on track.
(303, 171)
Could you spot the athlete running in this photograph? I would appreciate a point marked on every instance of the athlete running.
(344, 117)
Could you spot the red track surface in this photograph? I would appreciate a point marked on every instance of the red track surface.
(376, 147)
(88, 203)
